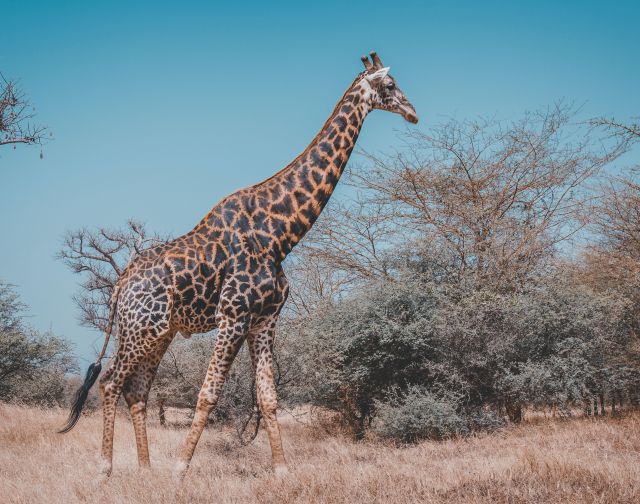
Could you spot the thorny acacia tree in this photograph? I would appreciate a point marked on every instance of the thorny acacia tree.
(617, 221)
(480, 207)
(612, 262)
(16, 114)
(626, 132)
(493, 199)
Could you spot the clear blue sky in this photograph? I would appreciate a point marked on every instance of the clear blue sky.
(160, 109)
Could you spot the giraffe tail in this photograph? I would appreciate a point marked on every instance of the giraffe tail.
(93, 372)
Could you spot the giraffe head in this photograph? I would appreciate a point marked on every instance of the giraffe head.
(382, 90)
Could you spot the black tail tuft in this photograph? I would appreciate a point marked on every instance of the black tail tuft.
(81, 397)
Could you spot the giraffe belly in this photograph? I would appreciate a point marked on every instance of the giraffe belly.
(194, 318)
(193, 315)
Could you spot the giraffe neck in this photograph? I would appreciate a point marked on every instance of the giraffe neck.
(303, 188)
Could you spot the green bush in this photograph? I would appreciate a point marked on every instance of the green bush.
(32, 364)
(418, 414)
(422, 356)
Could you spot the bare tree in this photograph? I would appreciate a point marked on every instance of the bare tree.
(626, 132)
(355, 236)
(618, 218)
(99, 256)
(313, 279)
(494, 199)
(612, 261)
(16, 115)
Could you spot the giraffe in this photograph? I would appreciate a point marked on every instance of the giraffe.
(227, 274)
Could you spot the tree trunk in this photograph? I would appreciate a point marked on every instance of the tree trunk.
(360, 426)
(613, 403)
(514, 411)
(602, 411)
(161, 412)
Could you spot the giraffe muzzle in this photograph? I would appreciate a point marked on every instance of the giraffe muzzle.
(412, 118)
(409, 114)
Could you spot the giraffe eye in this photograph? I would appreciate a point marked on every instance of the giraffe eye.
(391, 87)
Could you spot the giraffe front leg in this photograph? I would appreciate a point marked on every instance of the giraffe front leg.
(261, 350)
(230, 338)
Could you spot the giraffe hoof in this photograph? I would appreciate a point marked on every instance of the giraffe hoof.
(103, 474)
(281, 471)
(180, 470)
(100, 480)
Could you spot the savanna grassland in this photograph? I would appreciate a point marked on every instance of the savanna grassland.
(542, 460)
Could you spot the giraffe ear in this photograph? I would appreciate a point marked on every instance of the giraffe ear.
(377, 76)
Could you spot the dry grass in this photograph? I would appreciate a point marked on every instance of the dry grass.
(579, 460)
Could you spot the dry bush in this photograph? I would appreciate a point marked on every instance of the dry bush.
(580, 460)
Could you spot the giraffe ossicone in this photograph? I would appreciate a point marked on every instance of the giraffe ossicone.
(226, 273)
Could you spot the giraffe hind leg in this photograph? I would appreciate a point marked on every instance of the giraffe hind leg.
(110, 394)
(113, 383)
(137, 344)
(136, 393)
